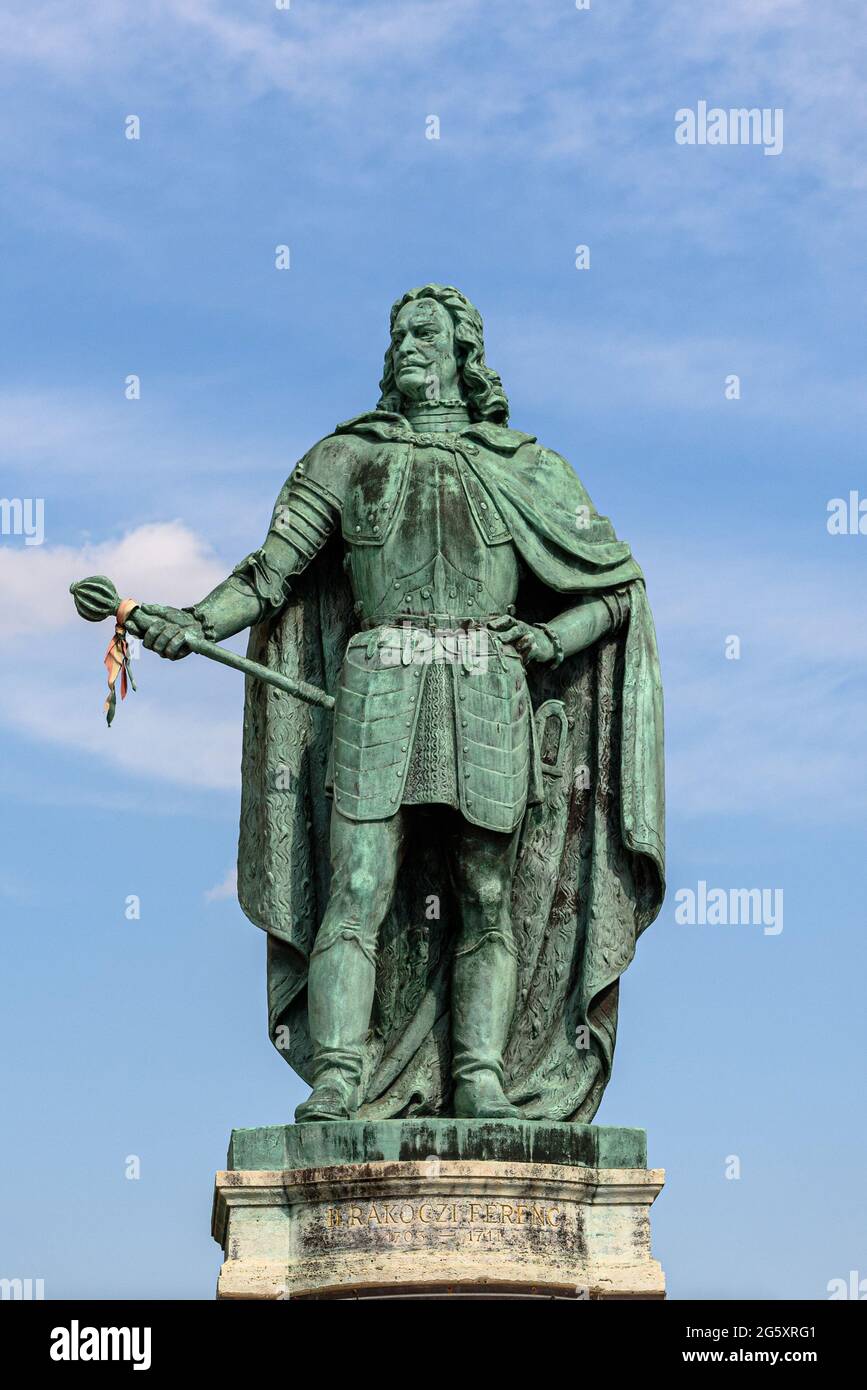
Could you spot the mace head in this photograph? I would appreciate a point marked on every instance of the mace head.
(95, 598)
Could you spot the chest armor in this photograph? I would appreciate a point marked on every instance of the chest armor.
(424, 536)
(425, 540)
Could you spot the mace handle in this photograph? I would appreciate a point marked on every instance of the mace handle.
(311, 693)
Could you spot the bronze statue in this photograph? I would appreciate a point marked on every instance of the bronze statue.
(491, 779)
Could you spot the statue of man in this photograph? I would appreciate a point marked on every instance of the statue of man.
(492, 785)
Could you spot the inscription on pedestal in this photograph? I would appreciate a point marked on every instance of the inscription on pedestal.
(427, 1222)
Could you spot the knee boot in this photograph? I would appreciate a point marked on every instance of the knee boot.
(340, 991)
(483, 1000)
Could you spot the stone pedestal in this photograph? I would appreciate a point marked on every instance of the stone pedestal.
(437, 1208)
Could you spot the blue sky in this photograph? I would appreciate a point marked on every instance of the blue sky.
(306, 127)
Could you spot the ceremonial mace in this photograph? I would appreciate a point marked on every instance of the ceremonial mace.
(96, 598)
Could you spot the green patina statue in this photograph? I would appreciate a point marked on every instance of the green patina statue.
(491, 778)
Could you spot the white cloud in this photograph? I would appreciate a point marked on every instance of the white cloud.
(183, 727)
(161, 563)
(227, 889)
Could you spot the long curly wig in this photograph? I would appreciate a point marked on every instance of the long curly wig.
(486, 399)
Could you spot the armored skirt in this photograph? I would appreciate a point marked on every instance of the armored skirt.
(434, 717)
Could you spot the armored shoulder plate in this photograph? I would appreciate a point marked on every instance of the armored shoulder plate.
(327, 468)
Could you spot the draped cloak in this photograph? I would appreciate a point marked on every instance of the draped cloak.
(590, 868)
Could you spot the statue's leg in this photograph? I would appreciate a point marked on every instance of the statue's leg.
(485, 970)
(364, 861)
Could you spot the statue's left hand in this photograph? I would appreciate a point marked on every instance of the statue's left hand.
(531, 642)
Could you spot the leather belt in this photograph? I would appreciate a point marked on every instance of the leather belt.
(431, 622)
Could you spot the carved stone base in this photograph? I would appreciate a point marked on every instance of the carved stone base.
(475, 1217)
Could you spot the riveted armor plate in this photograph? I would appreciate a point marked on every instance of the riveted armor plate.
(375, 493)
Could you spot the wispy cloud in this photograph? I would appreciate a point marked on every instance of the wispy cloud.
(79, 432)
(161, 563)
(184, 726)
(129, 461)
(329, 59)
(228, 888)
(556, 360)
(777, 731)
(181, 741)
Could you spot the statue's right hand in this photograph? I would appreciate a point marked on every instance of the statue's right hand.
(165, 630)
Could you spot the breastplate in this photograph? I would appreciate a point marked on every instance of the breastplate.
(436, 558)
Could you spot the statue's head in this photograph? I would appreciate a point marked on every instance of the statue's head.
(437, 354)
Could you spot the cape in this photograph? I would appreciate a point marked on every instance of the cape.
(590, 869)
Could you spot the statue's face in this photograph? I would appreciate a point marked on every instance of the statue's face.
(423, 351)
